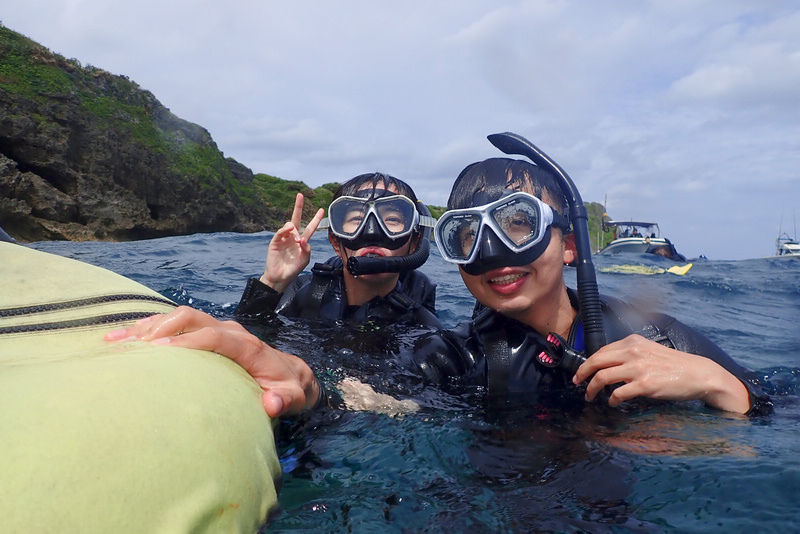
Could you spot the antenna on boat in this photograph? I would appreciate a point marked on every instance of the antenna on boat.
(794, 222)
(588, 294)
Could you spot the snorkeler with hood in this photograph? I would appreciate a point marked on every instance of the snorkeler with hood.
(380, 233)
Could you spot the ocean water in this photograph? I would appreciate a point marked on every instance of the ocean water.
(455, 466)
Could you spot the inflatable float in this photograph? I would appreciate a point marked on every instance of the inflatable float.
(124, 437)
(680, 270)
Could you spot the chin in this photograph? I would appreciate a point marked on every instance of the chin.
(512, 307)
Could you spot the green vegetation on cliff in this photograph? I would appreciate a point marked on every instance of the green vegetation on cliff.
(281, 193)
(118, 105)
(597, 237)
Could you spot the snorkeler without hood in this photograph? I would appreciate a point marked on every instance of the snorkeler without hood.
(511, 226)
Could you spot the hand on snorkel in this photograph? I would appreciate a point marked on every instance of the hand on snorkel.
(288, 383)
(289, 252)
(645, 368)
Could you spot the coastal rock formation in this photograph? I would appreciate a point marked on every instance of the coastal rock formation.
(86, 155)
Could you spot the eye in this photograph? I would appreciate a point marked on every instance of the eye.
(520, 220)
(394, 220)
(352, 222)
(467, 237)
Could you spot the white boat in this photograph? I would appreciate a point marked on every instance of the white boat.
(639, 237)
(787, 246)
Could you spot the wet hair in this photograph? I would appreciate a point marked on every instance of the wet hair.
(353, 185)
(486, 181)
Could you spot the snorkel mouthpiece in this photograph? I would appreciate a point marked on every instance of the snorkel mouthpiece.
(396, 264)
(358, 266)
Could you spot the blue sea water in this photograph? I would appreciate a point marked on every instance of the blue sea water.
(457, 467)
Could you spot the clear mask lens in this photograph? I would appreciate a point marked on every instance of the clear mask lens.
(396, 215)
(519, 220)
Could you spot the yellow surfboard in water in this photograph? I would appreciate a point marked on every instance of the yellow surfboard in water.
(126, 437)
(680, 270)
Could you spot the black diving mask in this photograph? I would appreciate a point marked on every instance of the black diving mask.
(385, 220)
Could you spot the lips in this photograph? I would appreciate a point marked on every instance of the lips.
(371, 253)
(506, 281)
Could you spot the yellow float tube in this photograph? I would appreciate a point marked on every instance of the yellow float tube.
(126, 437)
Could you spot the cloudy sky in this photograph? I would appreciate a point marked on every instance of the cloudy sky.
(684, 112)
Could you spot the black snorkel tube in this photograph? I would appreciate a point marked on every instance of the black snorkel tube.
(591, 312)
(396, 264)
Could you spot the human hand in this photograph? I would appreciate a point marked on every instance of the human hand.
(649, 369)
(289, 251)
(288, 383)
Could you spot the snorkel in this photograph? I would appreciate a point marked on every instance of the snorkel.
(396, 264)
(590, 309)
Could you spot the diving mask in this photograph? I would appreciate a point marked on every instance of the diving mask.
(385, 221)
(519, 221)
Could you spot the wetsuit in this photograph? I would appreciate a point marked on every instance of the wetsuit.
(5, 237)
(322, 295)
(500, 353)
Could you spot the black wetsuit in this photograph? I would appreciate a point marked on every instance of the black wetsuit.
(321, 295)
(500, 353)
(5, 237)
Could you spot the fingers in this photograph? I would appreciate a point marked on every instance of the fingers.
(297, 217)
(297, 213)
(607, 377)
(283, 401)
(617, 353)
(273, 403)
(623, 362)
(287, 232)
(288, 383)
(182, 319)
(644, 368)
(626, 392)
(313, 224)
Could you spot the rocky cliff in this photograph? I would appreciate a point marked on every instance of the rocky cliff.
(86, 155)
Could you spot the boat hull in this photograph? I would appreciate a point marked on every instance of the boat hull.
(643, 245)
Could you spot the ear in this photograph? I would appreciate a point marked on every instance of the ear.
(570, 249)
(334, 241)
(414, 244)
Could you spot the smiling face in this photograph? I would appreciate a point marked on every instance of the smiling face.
(528, 285)
(534, 294)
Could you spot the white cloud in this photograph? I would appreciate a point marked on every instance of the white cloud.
(683, 112)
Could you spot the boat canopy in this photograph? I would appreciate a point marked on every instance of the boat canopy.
(632, 228)
(629, 223)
